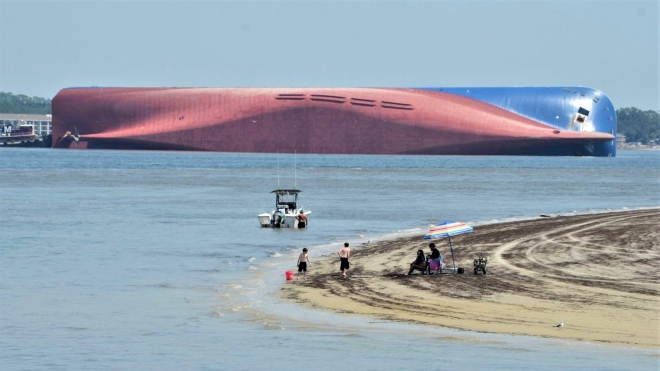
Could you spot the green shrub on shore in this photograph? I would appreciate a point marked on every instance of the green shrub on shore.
(638, 125)
(10, 103)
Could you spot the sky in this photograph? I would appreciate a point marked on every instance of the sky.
(612, 46)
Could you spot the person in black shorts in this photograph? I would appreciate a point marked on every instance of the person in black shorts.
(344, 255)
(303, 259)
(302, 219)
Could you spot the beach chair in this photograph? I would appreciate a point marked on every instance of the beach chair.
(434, 267)
(480, 264)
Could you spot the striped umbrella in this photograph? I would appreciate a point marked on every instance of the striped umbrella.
(447, 229)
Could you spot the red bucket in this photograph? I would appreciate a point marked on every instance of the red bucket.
(289, 275)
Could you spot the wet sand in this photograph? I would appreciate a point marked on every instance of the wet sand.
(597, 273)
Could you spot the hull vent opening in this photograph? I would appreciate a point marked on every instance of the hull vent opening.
(579, 119)
(290, 97)
(395, 105)
(363, 102)
(328, 98)
(583, 111)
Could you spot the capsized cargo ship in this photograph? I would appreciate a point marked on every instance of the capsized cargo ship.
(562, 121)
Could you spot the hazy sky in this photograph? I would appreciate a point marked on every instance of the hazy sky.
(609, 45)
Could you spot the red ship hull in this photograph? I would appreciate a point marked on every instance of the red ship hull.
(304, 120)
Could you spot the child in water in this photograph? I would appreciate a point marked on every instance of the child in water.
(303, 259)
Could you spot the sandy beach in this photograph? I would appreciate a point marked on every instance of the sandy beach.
(597, 273)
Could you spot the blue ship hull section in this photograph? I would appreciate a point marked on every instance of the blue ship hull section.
(565, 108)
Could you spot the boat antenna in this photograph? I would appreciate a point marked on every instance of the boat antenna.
(278, 169)
(295, 167)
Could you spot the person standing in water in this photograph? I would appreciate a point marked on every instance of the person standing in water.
(302, 219)
(303, 259)
(344, 254)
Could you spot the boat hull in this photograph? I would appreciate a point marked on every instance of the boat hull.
(20, 140)
(266, 220)
(427, 121)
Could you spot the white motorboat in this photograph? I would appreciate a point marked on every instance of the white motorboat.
(286, 210)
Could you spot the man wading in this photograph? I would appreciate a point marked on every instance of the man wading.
(302, 220)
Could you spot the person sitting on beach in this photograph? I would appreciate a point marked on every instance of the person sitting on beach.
(419, 263)
(435, 256)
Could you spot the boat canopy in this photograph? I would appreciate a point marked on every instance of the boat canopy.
(286, 198)
(286, 191)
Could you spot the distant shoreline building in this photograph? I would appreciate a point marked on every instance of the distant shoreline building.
(620, 139)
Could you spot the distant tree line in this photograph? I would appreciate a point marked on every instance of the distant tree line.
(635, 124)
(10, 103)
(638, 125)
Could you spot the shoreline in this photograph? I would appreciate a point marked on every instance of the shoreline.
(598, 273)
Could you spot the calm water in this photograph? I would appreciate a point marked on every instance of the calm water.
(114, 260)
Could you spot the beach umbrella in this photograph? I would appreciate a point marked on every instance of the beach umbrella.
(447, 229)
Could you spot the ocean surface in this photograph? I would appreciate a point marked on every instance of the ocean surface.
(129, 260)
